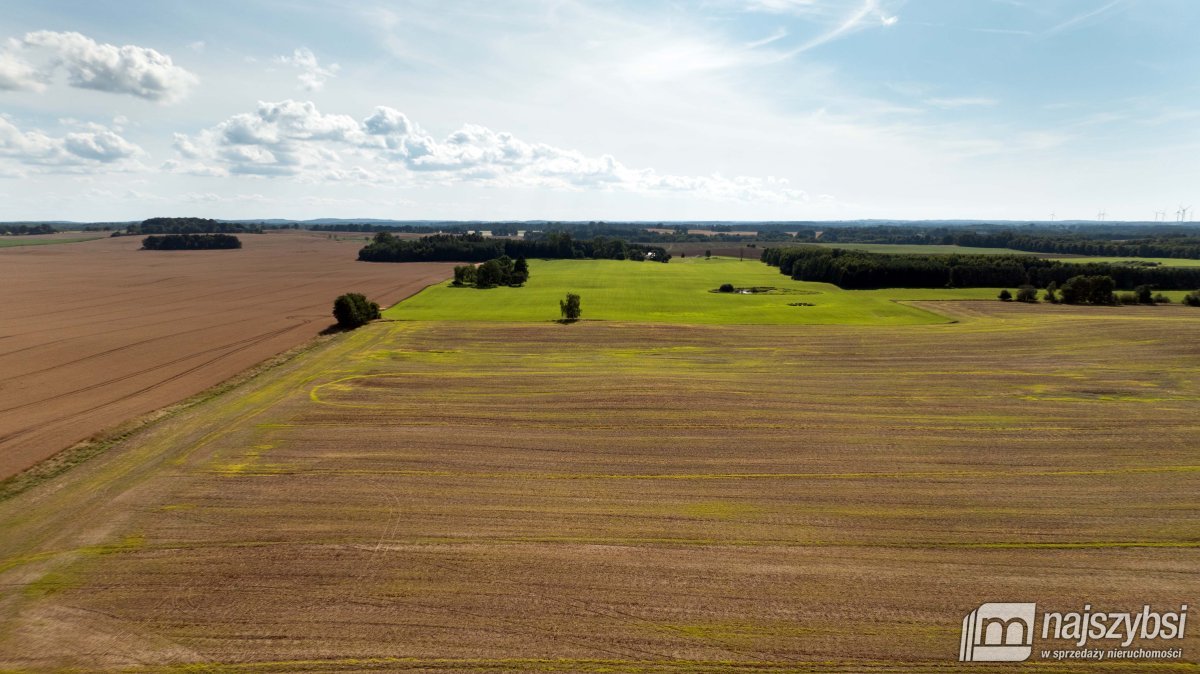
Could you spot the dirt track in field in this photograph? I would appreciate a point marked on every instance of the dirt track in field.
(97, 332)
(615, 497)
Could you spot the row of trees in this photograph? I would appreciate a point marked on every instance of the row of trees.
(501, 271)
(188, 226)
(386, 247)
(1094, 290)
(191, 242)
(855, 269)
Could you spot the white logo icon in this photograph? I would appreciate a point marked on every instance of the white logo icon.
(998, 632)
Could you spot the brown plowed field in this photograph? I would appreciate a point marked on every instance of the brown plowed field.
(97, 332)
(609, 497)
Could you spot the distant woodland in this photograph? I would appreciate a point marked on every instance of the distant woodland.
(1180, 241)
(188, 226)
(853, 269)
(26, 229)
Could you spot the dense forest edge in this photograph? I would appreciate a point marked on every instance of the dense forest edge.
(860, 270)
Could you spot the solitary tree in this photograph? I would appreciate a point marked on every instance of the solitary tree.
(1005, 296)
(1051, 293)
(464, 275)
(1144, 294)
(1027, 294)
(570, 307)
(520, 272)
(353, 309)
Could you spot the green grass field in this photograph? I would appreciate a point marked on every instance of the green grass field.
(6, 242)
(613, 290)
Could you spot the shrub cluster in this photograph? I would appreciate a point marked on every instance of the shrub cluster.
(502, 271)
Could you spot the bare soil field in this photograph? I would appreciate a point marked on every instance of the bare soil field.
(635, 498)
(96, 332)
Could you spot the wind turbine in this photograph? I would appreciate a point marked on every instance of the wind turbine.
(1052, 217)
(1101, 215)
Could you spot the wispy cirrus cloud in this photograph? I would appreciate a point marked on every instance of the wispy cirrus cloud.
(870, 13)
(312, 75)
(1084, 17)
(962, 102)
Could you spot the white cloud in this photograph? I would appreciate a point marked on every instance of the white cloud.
(312, 75)
(291, 138)
(92, 147)
(16, 73)
(88, 64)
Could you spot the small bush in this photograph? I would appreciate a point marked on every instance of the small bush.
(1143, 294)
(1127, 298)
(1160, 298)
(354, 309)
(1027, 294)
(1192, 299)
(1005, 296)
(726, 288)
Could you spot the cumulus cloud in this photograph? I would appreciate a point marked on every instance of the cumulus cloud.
(16, 73)
(32, 61)
(312, 75)
(293, 138)
(93, 146)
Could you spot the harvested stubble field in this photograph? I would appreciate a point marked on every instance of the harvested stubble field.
(630, 497)
(97, 332)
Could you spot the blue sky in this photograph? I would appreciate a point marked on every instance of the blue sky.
(713, 109)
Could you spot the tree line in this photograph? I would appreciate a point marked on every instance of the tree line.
(475, 248)
(190, 242)
(501, 271)
(853, 269)
(188, 226)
